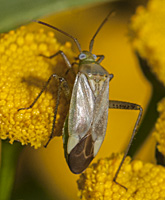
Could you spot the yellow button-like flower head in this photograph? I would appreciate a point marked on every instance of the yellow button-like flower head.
(144, 181)
(148, 30)
(148, 39)
(159, 132)
(24, 72)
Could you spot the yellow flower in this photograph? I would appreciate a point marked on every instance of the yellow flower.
(144, 181)
(148, 30)
(148, 39)
(159, 132)
(23, 74)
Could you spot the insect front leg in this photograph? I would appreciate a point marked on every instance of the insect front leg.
(100, 58)
(74, 63)
(69, 65)
(126, 106)
(62, 54)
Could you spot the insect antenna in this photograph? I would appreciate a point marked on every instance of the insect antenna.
(57, 29)
(101, 25)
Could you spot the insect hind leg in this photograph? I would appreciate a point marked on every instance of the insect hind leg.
(128, 106)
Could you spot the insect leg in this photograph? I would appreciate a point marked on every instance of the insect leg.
(100, 58)
(35, 100)
(128, 106)
(62, 54)
(110, 78)
(62, 85)
(74, 63)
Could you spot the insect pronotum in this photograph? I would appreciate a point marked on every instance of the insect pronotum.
(86, 123)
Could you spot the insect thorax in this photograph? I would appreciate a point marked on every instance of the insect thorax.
(96, 75)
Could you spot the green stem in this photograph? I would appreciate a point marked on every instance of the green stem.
(9, 158)
(151, 115)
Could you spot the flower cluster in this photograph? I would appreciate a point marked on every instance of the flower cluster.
(159, 132)
(24, 72)
(148, 39)
(148, 30)
(143, 180)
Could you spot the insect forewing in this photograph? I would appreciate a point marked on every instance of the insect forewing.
(86, 124)
(100, 116)
(81, 111)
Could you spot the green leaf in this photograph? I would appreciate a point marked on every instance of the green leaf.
(160, 158)
(13, 13)
(9, 158)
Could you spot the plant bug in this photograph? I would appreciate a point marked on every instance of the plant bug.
(85, 125)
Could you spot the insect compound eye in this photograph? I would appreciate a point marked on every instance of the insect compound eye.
(82, 56)
(94, 56)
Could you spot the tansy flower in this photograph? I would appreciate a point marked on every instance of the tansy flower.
(159, 132)
(24, 71)
(143, 180)
(148, 30)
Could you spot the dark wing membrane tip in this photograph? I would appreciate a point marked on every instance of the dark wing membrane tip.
(81, 155)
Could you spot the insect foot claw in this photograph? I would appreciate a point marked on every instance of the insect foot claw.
(120, 184)
(43, 55)
(48, 141)
(21, 109)
(46, 144)
(24, 108)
